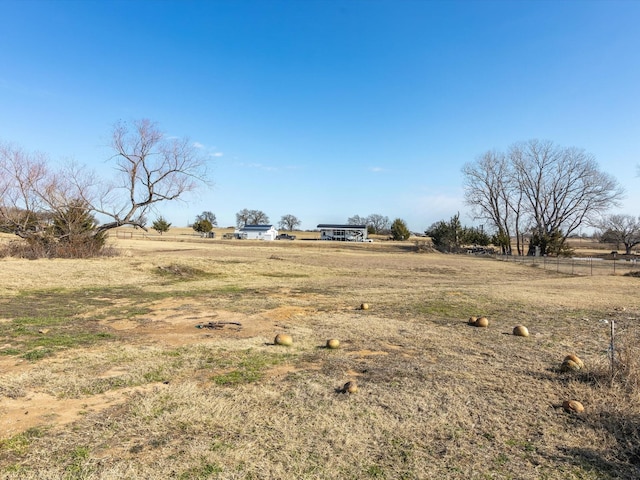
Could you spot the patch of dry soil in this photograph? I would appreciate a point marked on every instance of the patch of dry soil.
(38, 409)
(180, 322)
(173, 323)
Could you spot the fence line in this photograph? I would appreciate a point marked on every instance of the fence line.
(142, 235)
(576, 265)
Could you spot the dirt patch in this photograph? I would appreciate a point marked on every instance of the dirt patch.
(183, 322)
(286, 313)
(367, 353)
(38, 409)
(171, 322)
(13, 365)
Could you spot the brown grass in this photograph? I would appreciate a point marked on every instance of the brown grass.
(190, 385)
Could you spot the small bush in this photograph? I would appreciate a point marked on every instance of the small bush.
(623, 370)
(424, 246)
(32, 250)
(626, 367)
(71, 232)
(399, 230)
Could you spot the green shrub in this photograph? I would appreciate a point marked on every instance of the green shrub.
(399, 230)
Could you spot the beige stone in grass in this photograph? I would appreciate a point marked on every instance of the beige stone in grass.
(284, 339)
(521, 331)
(569, 366)
(575, 359)
(350, 387)
(572, 406)
(472, 320)
(364, 306)
(482, 322)
(333, 343)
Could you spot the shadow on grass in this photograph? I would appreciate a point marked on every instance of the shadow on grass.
(621, 461)
(610, 421)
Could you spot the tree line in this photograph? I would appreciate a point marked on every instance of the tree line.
(536, 189)
(540, 189)
(375, 223)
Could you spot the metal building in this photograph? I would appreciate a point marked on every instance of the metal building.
(343, 233)
(256, 232)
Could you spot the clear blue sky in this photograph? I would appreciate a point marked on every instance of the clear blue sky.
(325, 109)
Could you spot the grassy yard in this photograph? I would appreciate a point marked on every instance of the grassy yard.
(160, 363)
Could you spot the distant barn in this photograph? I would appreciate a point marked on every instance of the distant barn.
(343, 233)
(256, 232)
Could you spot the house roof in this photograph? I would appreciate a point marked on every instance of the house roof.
(343, 227)
(257, 227)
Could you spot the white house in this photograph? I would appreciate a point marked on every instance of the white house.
(343, 233)
(256, 232)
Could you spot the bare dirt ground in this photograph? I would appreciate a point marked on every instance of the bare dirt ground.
(182, 379)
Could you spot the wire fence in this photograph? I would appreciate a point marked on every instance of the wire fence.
(577, 265)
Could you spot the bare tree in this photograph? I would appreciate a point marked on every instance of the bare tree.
(251, 217)
(209, 216)
(150, 169)
(491, 190)
(541, 187)
(32, 194)
(562, 188)
(43, 207)
(378, 223)
(618, 229)
(242, 217)
(357, 220)
(24, 181)
(289, 222)
(258, 217)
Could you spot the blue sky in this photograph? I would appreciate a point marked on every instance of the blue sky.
(325, 109)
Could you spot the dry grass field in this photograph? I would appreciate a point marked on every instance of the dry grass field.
(160, 363)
